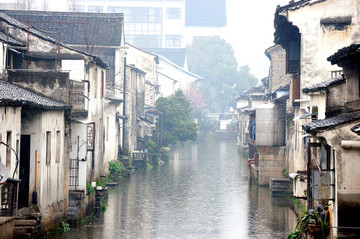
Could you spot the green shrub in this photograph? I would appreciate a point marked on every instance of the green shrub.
(101, 182)
(165, 155)
(63, 227)
(90, 190)
(116, 167)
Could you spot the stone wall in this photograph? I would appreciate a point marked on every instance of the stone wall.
(7, 227)
(278, 77)
(271, 163)
(52, 215)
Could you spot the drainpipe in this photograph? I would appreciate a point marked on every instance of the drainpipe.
(308, 176)
(35, 193)
(124, 101)
(16, 155)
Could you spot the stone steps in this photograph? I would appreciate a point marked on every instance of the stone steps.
(76, 198)
(26, 228)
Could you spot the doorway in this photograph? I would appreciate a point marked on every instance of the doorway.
(24, 171)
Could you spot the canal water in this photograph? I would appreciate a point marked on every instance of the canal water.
(202, 192)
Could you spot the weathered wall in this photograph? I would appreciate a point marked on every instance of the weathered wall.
(7, 227)
(335, 98)
(52, 84)
(111, 135)
(318, 100)
(96, 77)
(38, 46)
(2, 58)
(10, 121)
(280, 123)
(319, 41)
(134, 103)
(277, 75)
(271, 163)
(147, 63)
(265, 125)
(243, 129)
(52, 177)
(78, 148)
(347, 179)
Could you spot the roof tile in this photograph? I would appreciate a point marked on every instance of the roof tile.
(13, 95)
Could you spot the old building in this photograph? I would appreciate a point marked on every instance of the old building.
(332, 165)
(48, 146)
(38, 137)
(329, 25)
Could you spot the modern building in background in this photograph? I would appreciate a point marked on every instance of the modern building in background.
(162, 27)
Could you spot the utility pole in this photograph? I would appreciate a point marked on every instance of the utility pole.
(124, 101)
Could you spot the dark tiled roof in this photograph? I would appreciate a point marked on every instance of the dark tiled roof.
(344, 52)
(318, 125)
(20, 25)
(298, 4)
(14, 95)
(326, 84)
(10, 40)
(76, 28)
(284, 88)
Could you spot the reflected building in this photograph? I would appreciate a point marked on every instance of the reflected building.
(269, 214)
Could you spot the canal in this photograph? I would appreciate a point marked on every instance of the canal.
(202, 192)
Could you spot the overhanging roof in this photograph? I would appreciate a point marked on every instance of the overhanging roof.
(326, 84)
(13, 95)
(344, 52)
(331, 122)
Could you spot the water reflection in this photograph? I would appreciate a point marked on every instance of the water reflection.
(202, 192)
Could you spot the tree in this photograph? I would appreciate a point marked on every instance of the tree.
(214, 60)
(175, 122)
(196, 99)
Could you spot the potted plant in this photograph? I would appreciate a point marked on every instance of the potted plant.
(312, 222)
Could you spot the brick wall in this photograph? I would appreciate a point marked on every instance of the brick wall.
(271, 163)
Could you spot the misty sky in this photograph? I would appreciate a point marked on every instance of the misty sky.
(250, 30)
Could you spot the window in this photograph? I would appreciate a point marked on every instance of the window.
(172, 41)
(139, 14)
(295, 88)
(90, 142)
(314, 113)
(48, 147)
(173, 13)
(8, 150)
(96, 9)
(335, 74)
(76, 8)
(58, 145)
(113, 9)
(96, 82)
(143, 15)
(150, 41)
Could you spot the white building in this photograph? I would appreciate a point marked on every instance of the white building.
(165, 27)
